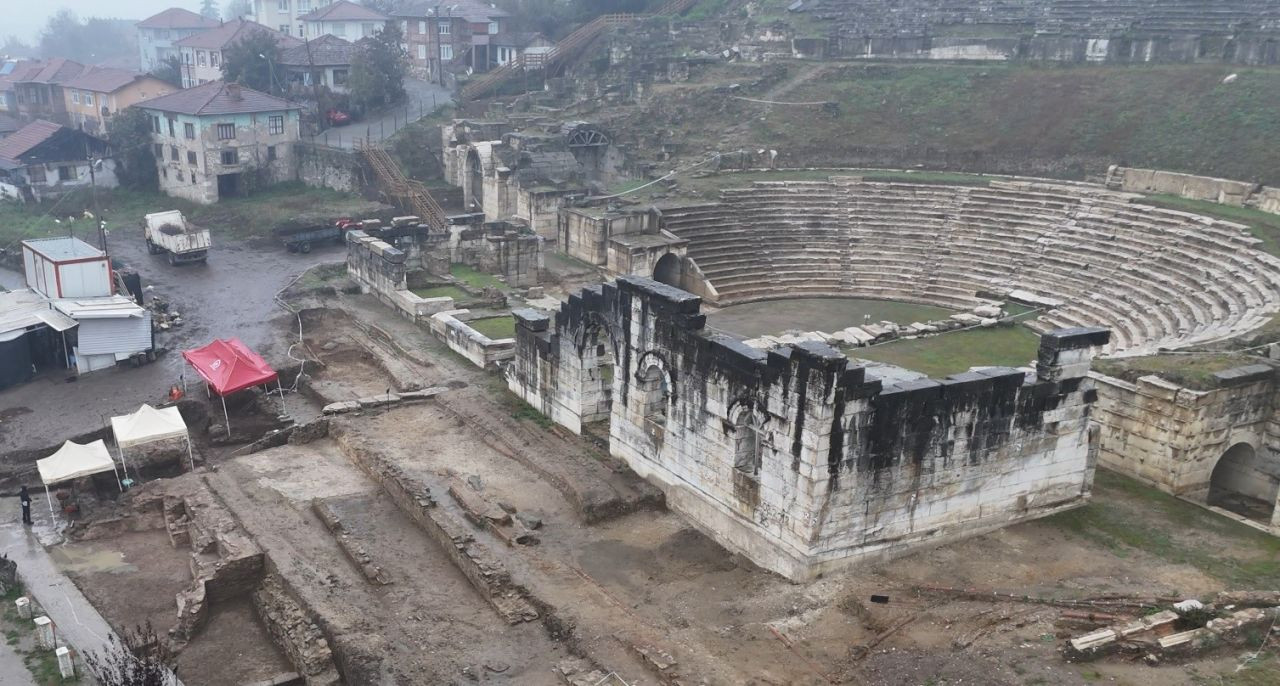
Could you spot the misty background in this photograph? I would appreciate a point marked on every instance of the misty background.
(25, 20)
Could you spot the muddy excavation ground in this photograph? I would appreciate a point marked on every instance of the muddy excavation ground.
(456, 538)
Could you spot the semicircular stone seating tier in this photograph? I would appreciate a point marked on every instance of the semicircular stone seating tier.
(1157, 278)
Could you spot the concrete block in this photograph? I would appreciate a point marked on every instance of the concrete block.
(341, 407)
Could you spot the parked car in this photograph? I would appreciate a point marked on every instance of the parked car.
(337, 117)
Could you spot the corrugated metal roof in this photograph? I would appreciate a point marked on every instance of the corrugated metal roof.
(20, 309)
(61, 248)
(214, 98)
(109, 307)
(177, 18)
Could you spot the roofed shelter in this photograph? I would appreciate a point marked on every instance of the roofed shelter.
(149, 425)
(73, 461)
(228, 366)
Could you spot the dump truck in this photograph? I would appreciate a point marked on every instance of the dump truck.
(171, 234)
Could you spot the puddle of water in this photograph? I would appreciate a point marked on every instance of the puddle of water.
(89, 560)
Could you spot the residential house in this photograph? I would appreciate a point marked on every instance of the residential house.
(325, 61)
(98, 94)
(158, 34)
(38, 89)
(221, 139)
(8, 126)
(345, 20)
(44, 159)
(203, 53)
(459, 34)
(8, 97)
(285, 16)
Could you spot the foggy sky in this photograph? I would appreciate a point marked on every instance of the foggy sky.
(25, 18)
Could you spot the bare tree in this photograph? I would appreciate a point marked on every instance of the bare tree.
(138, 658)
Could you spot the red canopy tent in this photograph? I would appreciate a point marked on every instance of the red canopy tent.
(227, 366)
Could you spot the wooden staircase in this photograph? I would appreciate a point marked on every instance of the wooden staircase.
(565, 50)
(411, 194)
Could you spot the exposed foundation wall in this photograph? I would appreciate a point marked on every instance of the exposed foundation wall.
(378, 267)
(321, 167)
(793, 457)
(481, 350)
(1173, 437)
(1222, 191)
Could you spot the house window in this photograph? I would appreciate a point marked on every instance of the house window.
(173, 153)
(159, 151)
(302, 30)
(191, 159)
(275, 124)
(214, 58)
(66, 173)
(271, 153)
(338, 28)
(186, 57)
(181, 176)
(304, 5)
(404, 26)
(422, 51)
(200, 57)
(36, 173)
(368, 29)
(88, 99)
(445, 28)
(189, 130)
(283, 6)
(493, 27)
(422, 26)
(339, 77)
(446, 52)
(226, 132)
(171, 133)
(230, 157)
(75, 97)
(284, 28)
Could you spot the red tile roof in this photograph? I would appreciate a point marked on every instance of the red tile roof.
(231, 32)
(326, 51)
(26, 138)
(342, 10)
(103, 80)
(55, 71)
(214, 98)
(177, 18)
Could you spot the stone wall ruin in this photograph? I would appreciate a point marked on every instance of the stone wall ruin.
(794, 457)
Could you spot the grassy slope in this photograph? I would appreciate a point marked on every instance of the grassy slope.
(1177, 117)
(1126, 515)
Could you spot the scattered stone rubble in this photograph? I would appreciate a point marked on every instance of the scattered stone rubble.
(1174, 632)
(382, 400)
(350, 547)
(986, 316)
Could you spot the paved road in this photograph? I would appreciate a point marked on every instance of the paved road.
(423, 99)
(75, 620)
(231, 296)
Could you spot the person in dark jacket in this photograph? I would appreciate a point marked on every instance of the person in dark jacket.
(25, 497)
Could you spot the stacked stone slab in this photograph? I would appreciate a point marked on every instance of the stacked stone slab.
(795, 457)
(1157, 278)
(1066, 30)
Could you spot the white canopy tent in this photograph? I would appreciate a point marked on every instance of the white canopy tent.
(73, 461)
(148, 425)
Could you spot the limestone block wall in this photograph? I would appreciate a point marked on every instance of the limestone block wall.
(483, 351)
(794, 457)
(1222, 191)
(1172, 437)
(374, 264)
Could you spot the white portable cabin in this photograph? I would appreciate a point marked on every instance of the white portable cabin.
(66, 267)
(111, 330)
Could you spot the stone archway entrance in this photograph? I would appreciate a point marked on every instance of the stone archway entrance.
(668, 270)
(1239, 484)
